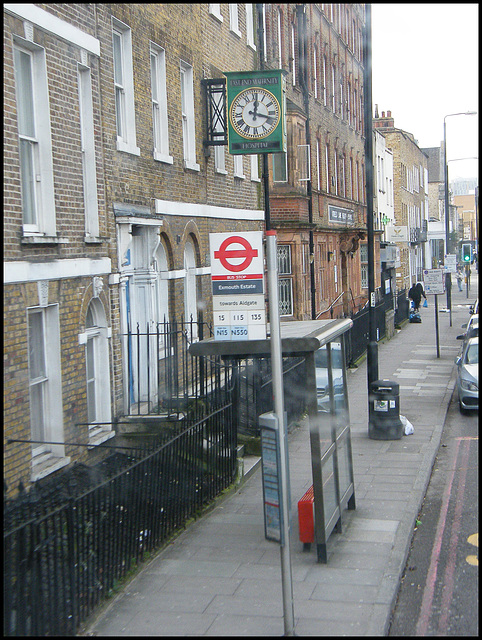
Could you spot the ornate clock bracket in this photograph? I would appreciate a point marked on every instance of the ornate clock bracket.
(216, 126)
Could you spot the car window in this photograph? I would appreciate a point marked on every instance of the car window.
(472, 354)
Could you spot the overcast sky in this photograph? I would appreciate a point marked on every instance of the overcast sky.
(424, 67)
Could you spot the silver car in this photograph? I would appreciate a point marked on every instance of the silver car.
(468, 375)
(471, 328)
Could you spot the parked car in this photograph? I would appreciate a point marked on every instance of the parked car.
(468, 375)
(321, 370)
(474, 308)
(471, 328)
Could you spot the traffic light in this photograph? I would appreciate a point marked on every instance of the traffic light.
(466, 253)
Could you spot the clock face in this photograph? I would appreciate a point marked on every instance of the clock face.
(254, 113)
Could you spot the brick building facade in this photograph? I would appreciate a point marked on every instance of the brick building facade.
(410, 187)
(57, 252)
(111, 194)
(318, 202)
(109, 198)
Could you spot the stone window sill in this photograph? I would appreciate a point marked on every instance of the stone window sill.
(46, 464)
(44, 240)
(98, 435)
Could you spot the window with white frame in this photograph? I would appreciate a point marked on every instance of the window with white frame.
(190, 290)
(265, 42)
(250, 26)
(357, 182)
(293, 54)
(327, 167)
(234, 18)
(215, 10)
(35, 144)
(161, 266)
(188, 122)
(352, 187)
(343, 176)
(219, 157)
(238, 167)
(364, 265)
(160, 130)
(315, 71)
(45, 390)
(324, 80)
(335, 178)
(285, 280)
(318, 165)
(333, 86)
(279, 38)
(348, 103)
(38, 375)
(97, 371)
(280, 167)
(342, 100)
(91, 208)
(254, 164)
(124, 88)
(355, 107)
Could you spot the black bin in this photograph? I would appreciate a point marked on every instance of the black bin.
(384, 411)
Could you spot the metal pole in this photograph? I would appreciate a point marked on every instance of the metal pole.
(448, 275)
(372, 350)
(277, 376)
(303, 55)
(277, 372)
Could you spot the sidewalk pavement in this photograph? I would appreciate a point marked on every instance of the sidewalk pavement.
(222, 577)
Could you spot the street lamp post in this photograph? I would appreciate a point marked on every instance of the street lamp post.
(448, 275)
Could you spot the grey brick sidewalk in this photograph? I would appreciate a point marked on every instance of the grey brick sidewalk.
(221, 577)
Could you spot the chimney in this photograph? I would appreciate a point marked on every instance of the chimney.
(389, 114)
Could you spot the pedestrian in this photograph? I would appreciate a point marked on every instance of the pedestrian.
(460, 277)
(415, 294)
(420, 289)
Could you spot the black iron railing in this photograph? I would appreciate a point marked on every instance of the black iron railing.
(161, 375)
(59, 563)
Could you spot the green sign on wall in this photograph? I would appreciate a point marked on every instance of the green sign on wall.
(256, 112)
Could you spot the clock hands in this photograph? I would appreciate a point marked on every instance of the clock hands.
(255, 113)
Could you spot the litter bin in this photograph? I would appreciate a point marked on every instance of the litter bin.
(384, 411)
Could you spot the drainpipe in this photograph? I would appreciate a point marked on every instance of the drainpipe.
(303, 54)
(372, 351)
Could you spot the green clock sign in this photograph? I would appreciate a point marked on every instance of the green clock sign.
(256, 112)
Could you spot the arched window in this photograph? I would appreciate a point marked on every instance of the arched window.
(190, 293)
(97, 370)
(162, 285)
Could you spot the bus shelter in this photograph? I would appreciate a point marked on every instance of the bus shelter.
(322, 344)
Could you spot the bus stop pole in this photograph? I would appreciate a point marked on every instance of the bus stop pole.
(277, 373)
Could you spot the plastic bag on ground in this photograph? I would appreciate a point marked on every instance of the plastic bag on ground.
(407, 426)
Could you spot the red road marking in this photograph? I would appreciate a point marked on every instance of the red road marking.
(426, 608)
(454, 537)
